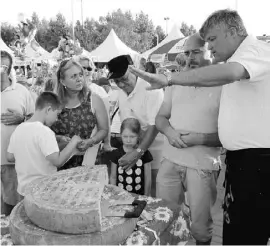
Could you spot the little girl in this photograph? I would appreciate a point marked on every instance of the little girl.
(138, 178)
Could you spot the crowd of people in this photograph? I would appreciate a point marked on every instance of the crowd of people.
(161, 133)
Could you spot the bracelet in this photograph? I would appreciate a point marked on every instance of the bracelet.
(168, 75)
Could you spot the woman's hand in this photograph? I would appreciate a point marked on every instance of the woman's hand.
(85, 144)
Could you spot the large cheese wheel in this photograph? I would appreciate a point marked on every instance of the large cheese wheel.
(69, 201)
(24, 232)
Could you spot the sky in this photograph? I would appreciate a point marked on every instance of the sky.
(255, 13)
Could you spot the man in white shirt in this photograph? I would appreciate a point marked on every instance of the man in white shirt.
(136, 102)
(192, 168)
(16, 102)
(244, 120)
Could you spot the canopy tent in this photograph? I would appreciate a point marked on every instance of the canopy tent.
(34, 51)
(176, 49)
(175, 34)
(110, 48)
(4, 47)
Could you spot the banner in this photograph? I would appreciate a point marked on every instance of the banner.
(157, 58)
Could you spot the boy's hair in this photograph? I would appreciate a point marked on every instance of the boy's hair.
(132, 124)
(46, 99)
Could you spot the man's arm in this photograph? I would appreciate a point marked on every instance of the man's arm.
(164, 114)
(10, 157)
(149, 137)
(210, 76)
(163, 124)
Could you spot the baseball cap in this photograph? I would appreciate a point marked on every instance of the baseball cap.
(118, 66)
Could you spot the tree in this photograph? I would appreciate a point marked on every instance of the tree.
(8, 33)
(35, 20)
(187, 30)
(161, 36)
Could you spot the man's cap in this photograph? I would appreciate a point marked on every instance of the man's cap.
(118, 66)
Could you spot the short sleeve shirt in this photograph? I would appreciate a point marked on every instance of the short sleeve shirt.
(31, 143)
(133, 179)
(18, 98)
(244, 115)
(141, 104)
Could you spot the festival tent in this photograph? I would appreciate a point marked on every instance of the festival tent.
(34, 51)
(4, 47)
(175, 34)
(110, 48)
(176, 49)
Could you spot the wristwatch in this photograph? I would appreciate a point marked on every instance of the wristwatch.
(140, 151)
(168, 75)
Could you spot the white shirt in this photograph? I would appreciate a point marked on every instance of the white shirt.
(113, 100)
(244, 117)
(141, 104)
(31, 143)
(101, 93)
(15, 97)
(193, 110)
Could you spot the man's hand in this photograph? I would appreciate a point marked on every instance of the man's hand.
(12, 117)
(129, 160)
(157, 81)
(107, 147)
(175, 138)
(192, 138)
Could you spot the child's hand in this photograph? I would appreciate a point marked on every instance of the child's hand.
(75, 141)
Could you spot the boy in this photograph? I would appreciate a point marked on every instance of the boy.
(33, 144)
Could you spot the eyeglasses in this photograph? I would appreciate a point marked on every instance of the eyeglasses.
(89, 69)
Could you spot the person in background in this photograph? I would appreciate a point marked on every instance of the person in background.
(243, 123)
(49, 85)
(136, 102)
(84, 113)
(150, 67)
(142, 64)
(190, 113)
(137, 179)
(33, 145)
(181, 61)
(16, 106)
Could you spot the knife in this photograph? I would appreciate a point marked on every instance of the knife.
(107, 211)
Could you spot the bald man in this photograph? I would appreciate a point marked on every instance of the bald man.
(188, 118)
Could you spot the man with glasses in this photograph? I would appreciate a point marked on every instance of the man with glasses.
(16, 105)
(188, 119)
(135, 101)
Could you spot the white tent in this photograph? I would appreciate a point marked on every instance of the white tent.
(175, 33)
(110, 48)
(34, 51)
(4, 47)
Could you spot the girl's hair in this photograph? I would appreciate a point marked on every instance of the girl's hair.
(132, 124)
(60, 89)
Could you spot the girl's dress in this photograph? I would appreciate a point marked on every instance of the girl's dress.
(133, 179)
(78, 121)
